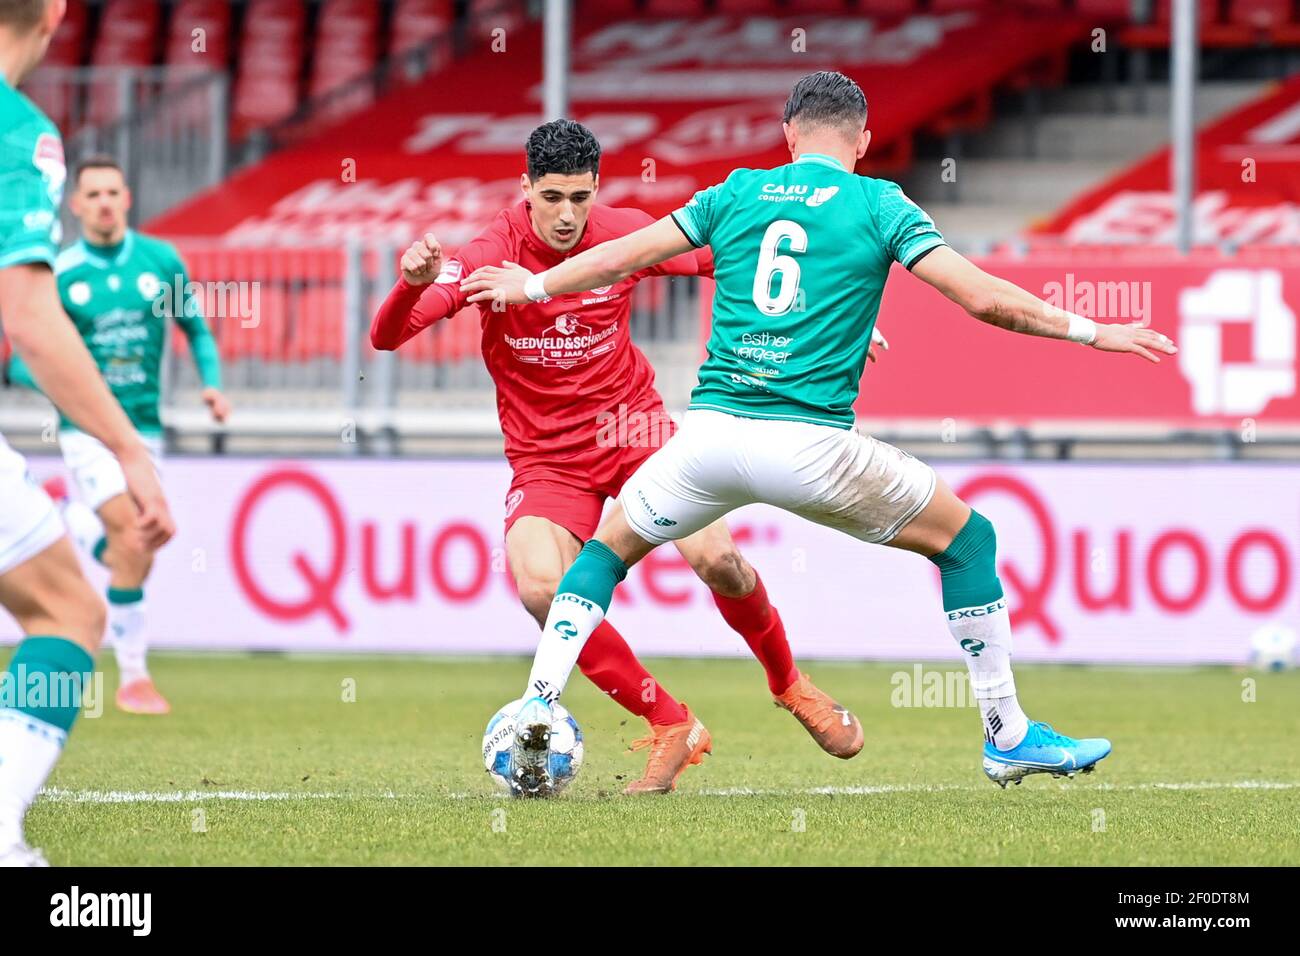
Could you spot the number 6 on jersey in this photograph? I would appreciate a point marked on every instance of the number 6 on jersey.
(771, 264)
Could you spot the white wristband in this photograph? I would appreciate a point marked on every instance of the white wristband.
(534, 287)
(1081, 330)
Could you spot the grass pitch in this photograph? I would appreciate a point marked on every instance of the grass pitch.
(264, 761)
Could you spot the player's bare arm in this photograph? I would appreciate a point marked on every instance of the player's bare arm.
(59, 362)
(603, 265)
(1006, 305)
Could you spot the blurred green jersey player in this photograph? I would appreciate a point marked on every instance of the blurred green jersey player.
(120, 287)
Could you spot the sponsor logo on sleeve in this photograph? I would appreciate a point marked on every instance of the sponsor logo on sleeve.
(451, 272)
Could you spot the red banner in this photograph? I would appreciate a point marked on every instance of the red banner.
(1234, 320)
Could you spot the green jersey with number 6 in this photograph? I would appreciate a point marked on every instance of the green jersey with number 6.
(801, 253)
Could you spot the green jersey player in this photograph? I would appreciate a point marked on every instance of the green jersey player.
(120, 287)
(801, 256)
(41, 583)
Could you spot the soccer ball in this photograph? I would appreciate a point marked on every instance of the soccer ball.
(566, 747)
(1272, 648)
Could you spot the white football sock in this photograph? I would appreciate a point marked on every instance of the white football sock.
(984, 636)
(569, 623)
(84, 525)
(130, 646)
(1005, 724)
(29, 749)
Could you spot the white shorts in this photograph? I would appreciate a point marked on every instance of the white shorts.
(833, 476)
(29, 522)
(95, 469)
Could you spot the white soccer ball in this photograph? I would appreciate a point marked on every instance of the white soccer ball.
(566, 747)
(1273, 647)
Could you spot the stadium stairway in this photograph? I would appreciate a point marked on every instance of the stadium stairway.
(1021, 169)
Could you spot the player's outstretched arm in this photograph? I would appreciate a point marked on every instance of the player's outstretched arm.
(1006, 305)
(45, 338)
(599, 266)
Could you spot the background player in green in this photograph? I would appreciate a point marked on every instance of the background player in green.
(801, 254)
(41, 583)
(119, 286)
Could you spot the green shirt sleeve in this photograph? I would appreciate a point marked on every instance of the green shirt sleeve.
(203, 346)
(695, 219)
(907, 231)
(31, 188)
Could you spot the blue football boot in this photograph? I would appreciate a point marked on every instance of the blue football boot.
(1043, 751)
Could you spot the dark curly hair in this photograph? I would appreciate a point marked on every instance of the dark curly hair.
(827, 99)
(563, 147)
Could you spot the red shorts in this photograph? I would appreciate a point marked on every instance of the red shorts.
(571, 491)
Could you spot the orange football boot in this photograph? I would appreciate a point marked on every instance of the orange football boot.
(836, 731)
(673, 748)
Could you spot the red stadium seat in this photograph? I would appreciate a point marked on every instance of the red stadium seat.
(756, 7)
(129, 31)
(676, 8)
(600, 9)
(347, 44)
(69, 41)
(212, 17)
(1251, 22)
(270, 63)
(874, 8)
(416, 22)
(1105, 9)
(485, 16)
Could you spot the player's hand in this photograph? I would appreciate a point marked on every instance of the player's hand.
(1134, 337)
(503, 283)
(154, 523)
(217, 404)
(422, 261)
(876, 340)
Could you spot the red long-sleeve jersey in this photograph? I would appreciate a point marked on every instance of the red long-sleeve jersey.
(557, 364)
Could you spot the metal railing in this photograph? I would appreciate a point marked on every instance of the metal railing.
(166, 126)
(292, 325)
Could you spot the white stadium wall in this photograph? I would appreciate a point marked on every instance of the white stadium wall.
(1147, 563)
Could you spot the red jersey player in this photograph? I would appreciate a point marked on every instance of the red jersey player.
(563, 367)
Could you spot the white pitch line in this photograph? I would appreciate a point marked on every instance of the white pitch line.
(61, 795)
